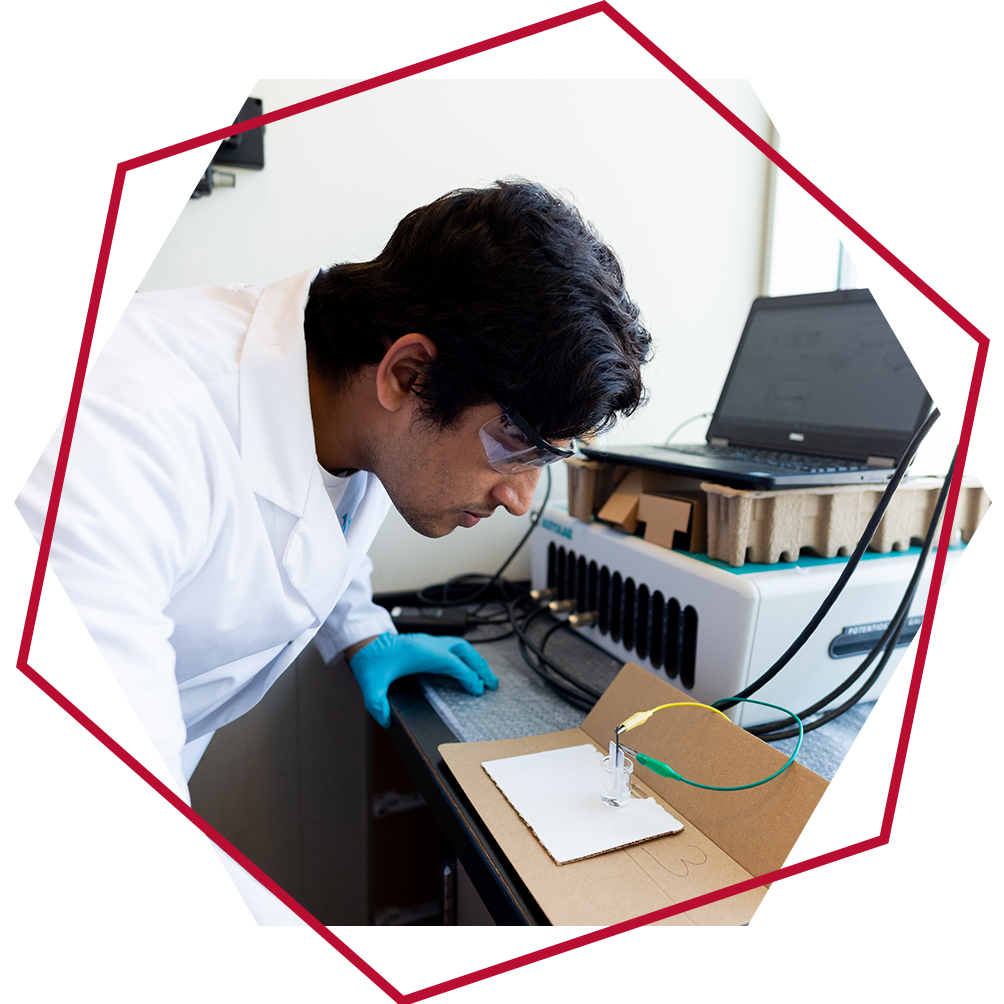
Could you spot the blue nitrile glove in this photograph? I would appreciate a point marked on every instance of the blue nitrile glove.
(391, 656)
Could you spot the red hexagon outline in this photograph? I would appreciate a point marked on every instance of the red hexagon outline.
(344, 92)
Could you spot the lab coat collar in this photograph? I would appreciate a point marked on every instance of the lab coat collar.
(277, 442)
(277, 434)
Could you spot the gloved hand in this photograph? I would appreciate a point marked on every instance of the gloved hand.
(391, 656)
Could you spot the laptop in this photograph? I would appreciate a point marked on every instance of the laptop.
(820, 392)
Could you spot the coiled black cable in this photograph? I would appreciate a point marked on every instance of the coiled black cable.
(583, 696)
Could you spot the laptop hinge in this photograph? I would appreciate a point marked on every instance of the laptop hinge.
(881, 462)
(719, 441)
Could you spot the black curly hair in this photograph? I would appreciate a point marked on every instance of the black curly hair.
(524, 301)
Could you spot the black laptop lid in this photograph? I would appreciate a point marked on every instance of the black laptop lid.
(821, 373)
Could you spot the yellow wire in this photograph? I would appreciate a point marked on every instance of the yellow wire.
(640, 717)
(694, 704)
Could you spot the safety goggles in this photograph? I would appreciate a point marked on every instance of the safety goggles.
(512, 445)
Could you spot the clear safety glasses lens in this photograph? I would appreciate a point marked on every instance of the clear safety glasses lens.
(510, 451)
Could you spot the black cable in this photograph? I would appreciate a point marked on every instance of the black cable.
(481, 621)
(852, 564)
(836, 712)
(573, 697)
(594, 694)
(550, 631)
(886, 644)
(495, 617)
(506, 618)
(537, 612)
(893, 632)
(544, 667)
(543, 664)
(847, 705)
(444, 588)
(888, 641)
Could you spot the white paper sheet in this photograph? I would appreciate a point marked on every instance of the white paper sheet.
(557, 794)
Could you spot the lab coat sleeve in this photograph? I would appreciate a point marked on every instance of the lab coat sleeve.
(355, 617)
(121, 543)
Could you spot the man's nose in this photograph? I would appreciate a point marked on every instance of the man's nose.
(515, 491)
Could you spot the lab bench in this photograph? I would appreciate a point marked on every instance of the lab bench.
(320, 798)
(428, 711)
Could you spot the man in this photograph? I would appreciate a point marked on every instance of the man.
(237, 448)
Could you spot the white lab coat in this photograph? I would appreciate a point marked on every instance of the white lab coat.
(195, 533)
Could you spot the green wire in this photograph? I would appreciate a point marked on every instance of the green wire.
(664, 770)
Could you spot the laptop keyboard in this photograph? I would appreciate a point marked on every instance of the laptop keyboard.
(801, 462)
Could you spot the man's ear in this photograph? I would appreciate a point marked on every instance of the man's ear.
(402, 366)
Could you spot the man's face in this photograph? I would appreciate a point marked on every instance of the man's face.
(439, 479)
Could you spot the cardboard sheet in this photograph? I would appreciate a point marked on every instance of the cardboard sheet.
(667, 520)
(557, 794)
(674, 509)
(728, 837)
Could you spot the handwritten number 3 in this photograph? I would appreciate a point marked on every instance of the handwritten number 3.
(685, 861)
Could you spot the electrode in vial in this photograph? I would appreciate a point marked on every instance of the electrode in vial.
(616, 773)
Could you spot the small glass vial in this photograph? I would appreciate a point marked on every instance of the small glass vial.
(616, 774)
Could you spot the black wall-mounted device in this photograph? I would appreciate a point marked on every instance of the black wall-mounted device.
(246, 149)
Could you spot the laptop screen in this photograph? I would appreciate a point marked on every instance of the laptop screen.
(821, 372)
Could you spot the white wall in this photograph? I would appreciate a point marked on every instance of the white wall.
(808, 256)
(678, 193)
(804, 246)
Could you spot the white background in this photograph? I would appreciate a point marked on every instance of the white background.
(893, 111)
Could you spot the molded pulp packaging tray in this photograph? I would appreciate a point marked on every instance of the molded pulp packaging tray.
(770, 526)
(767, 526)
